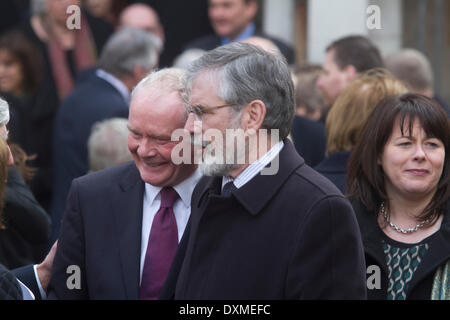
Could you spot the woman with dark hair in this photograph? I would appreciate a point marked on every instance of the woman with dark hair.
(399, 182)
(25, 225)
(65, 49)
(20, 77)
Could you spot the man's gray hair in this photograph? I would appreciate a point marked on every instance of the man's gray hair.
(245, 73)
(4, 112)
(108, 144)
(128, 48)
(185, 59)
(412, 67)
(38, 7)
(168, 78)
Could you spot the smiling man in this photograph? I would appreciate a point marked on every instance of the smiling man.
(122, 225)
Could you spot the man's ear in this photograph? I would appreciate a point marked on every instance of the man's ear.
(251, 9)
(351, 73)
(253, 115)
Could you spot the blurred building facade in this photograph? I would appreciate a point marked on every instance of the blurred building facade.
(310, 25)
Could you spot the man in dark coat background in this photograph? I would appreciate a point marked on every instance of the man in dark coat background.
(100, 94)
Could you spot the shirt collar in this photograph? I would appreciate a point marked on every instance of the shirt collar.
(116, 83)
(184, 189)
(247, 33)
(254, 168)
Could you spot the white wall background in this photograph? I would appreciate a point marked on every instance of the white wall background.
(278, 19)
(329, 20)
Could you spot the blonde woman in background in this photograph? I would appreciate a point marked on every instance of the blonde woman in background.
(347, 117)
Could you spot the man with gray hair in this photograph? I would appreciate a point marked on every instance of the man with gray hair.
(414, 69)
(122, 225)
(264, 226)
(107, 144)
(127, 57)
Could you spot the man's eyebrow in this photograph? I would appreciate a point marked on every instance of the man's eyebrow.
(160, 136)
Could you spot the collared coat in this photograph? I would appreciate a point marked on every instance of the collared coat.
(291, 235)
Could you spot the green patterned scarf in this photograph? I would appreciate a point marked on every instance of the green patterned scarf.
(441, 283)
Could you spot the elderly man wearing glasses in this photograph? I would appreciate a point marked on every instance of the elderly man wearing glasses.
(256, 233)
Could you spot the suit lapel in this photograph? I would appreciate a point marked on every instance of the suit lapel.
(127, 212)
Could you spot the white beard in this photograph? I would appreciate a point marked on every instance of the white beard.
(216, 164)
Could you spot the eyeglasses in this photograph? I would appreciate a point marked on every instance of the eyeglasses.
(199, 111)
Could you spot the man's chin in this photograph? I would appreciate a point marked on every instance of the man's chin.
(216, 170)
(154, 175)
(222, 31)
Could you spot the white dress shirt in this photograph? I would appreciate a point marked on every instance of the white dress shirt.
(254, 168)
(181, 208)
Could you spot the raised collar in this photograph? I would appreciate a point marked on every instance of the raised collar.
(256, 167)
(256, 193)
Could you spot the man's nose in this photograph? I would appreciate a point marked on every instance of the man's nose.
(147, 149)
(189, 125)
(319, 82)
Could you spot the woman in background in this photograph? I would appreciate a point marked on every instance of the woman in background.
(399, 182)
(20, 76)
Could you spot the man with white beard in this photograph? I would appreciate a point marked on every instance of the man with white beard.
(255, 233)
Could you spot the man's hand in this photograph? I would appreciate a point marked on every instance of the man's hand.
(44, 269)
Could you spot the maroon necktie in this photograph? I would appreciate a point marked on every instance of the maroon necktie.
(161, 248)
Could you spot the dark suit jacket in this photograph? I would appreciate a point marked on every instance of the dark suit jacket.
(309, 139)
(101, 234)
(93, 100)
(286, 236)
(213, 41)
(334, 167)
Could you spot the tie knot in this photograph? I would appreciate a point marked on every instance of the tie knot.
(168, 197)
(228, 188)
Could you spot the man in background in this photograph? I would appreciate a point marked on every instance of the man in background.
(345, 59)
(105, 93)
(414, 69)
(233, 20)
